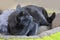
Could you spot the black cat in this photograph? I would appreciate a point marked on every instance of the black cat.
(21, 24)
(28, 19)
(40, 15)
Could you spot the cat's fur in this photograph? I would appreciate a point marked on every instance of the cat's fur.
(28, 20)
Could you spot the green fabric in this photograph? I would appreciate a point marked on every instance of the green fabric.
(55, 36)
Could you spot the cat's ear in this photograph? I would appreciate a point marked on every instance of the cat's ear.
(18, 7)
(52, 17)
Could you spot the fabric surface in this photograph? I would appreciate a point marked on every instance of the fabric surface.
(3, 20)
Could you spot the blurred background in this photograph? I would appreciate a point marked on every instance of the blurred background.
(48, 4)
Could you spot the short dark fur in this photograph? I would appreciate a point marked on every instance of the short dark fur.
(34, 11)
(18, 21)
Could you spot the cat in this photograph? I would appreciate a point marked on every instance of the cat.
(37, 16)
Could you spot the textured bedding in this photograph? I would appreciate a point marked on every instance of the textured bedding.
(3, 20)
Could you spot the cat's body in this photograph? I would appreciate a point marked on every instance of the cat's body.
(21, 24)
(34, 17)
(40, 15)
